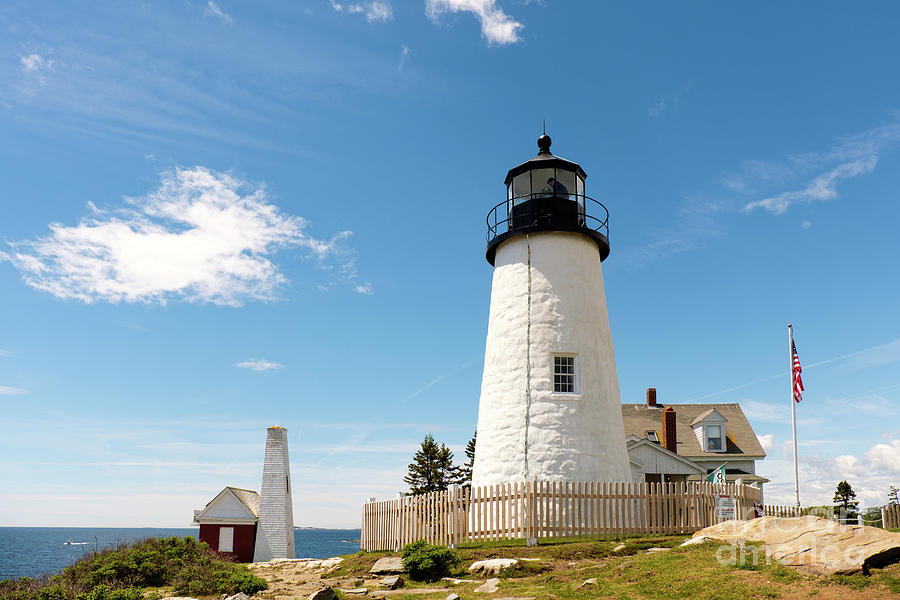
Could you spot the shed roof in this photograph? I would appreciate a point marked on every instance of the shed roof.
(223, 507)
(248, 497)
(741, 440)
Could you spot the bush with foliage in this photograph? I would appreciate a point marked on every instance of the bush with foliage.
(425, 562)
(185, 564)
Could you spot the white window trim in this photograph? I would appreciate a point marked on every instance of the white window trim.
(577, 383)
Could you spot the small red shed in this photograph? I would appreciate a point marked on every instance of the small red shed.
(228, 523)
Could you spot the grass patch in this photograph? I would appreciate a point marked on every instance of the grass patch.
(854, 582)
(710, 571)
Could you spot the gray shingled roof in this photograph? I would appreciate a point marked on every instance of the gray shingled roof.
(741, 440)
(249, 498)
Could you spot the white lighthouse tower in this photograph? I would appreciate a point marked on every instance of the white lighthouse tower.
(550, 407)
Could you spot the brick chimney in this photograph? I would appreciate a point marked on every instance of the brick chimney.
(670, 438)
(651, 397)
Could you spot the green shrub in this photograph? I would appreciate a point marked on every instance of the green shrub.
(102, 592)
(185, 564)
(425, 562)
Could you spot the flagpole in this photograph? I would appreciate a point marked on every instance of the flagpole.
(793, 411)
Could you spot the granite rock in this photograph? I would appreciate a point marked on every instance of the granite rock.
(819, 545)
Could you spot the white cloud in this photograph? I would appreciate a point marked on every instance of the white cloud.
(365, 289)
(767, 441)
(806, 224)
(870, 476)
(212, 9)
(496, 26)
(201, 236)
(6, 353)
(34, 63)
(885, 457)
(259, 365)
(11, 391)
(376, 11)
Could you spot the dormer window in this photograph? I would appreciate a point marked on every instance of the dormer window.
(709, 427)
(653, 437)
(714, 442)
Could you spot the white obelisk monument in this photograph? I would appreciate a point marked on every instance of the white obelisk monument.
(275, 529)
(550, 408)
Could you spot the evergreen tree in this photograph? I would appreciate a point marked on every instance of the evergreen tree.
(892, 495)
(844, 500)
(432, 468)
(465, 472)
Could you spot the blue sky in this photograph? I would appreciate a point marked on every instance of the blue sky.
(219, 216)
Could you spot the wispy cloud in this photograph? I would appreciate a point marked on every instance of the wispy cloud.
(375, 11)
(882, 354)
(6, 353)
(259, 365)
(695, 223)
(35, 69)
(496, 26)
(404, 56)
(799, 178)
(213, 10)
(201, 236)
(667, 102)
(821, 188)
(11, 391)
(34, 63)
(849, 157)
(440, 378)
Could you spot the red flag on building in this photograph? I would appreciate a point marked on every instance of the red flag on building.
(795, 373)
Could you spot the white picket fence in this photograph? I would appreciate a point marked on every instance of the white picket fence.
(890, 516)
(773, 510)
(541, 509)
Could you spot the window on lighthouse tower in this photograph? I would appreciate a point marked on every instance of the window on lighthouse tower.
(564, 374)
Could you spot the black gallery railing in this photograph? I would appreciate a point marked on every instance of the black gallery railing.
(542, 210)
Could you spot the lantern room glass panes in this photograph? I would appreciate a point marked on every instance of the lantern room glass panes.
(521, 187)
(567, 180)
(539, 182)
(579, 197)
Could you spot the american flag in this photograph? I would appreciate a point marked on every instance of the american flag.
(795, 373)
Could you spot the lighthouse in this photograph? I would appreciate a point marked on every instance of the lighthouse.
(550, 408)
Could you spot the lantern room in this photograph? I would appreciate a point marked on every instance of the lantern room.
(547, 193)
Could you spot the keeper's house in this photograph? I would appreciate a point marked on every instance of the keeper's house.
(228, 523)
(685, 442)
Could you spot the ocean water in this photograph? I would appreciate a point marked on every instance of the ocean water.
(33, 551)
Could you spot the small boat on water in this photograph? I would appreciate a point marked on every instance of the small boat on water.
(68, 542)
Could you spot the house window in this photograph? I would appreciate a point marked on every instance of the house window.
(564, 374)
(652, 436)
(226, 539)
(714, 438)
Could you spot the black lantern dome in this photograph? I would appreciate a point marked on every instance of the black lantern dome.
(546, 193)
